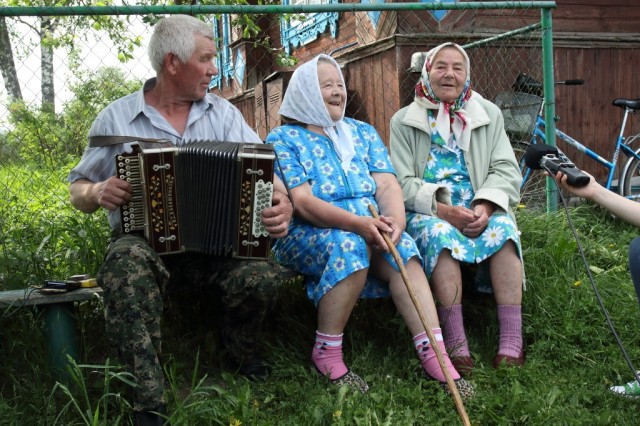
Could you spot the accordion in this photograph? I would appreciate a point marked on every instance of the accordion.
(206, 196)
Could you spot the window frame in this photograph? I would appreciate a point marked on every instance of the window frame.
(224, 60)
(299, 34)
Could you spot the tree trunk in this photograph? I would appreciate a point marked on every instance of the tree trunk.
(46, 64)
(7, 65)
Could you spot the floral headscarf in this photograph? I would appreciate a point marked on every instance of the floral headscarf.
(303, 102)
(451, 116)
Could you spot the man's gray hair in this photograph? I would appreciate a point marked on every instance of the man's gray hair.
(176, 34)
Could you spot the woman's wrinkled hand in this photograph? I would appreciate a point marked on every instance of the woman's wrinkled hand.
(371, 230)
(397, 227)
(457, 216)
(470, 222)
(482, 212)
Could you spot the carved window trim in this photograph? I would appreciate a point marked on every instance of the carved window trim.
(302, 32)
(438, 15)
(224, 60)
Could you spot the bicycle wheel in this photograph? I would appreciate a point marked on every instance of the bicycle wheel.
(533, 192)
(630, 183)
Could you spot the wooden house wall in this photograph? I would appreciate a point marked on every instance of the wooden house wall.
(277, 76)
(491, 72)
(589, 16)
(585, 112)
(372, 84)
(246, 105)
(607, 16)
(595, 40)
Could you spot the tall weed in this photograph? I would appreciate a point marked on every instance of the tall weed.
(82, 406)
(42, 236)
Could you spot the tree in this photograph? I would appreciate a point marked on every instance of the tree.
(7, 66)
(58, 32)
(40, 136)
(54, 32)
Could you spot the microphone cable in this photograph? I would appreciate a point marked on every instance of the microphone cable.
(603, 309)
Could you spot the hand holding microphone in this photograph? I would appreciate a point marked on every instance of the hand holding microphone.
(551, 159)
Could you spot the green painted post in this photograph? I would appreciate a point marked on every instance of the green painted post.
(549, 99)
(61, 338)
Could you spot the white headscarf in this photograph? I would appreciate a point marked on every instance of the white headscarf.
(303, 102)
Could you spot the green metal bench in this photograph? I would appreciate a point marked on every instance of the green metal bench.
(59, 318)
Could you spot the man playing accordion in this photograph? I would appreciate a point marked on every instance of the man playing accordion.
(174, 105)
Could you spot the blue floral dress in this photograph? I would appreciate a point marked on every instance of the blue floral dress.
(446, 166)
(327, 256)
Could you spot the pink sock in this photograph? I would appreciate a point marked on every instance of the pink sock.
(327, 355)
(510, 320)
(428, 357)
(454, 336)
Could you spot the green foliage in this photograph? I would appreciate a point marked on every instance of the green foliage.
(42, 236)
(283, 59)
(66, 31)
(32, 139)
(91, 95)
(40, 136)
(572, 357)
(252, 28)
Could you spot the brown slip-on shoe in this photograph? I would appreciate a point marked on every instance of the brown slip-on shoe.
(509, 361)
(463, 364)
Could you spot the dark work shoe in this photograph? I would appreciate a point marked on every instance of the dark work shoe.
(154, 417)
(255, 369)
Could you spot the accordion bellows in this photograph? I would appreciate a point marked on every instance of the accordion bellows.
(205, 196)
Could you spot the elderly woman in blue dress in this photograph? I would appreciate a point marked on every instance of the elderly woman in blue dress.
(460, 180)
(335, 168)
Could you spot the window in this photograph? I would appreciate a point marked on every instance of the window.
(224, 60)
(296, 32)
(374, 15)
(437, 14)
(239, 67)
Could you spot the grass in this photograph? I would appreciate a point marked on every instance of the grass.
(572, 357)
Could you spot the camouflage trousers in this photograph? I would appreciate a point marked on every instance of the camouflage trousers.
(134, 279)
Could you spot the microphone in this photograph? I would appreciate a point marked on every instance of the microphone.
(551, 159)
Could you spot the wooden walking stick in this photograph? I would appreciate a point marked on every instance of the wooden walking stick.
(434, 344)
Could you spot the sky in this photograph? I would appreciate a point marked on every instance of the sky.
(96, 52)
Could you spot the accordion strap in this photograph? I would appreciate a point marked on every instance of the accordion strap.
(98, 141)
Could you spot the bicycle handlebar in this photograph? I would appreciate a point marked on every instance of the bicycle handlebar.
(575, 82)
(527, 84)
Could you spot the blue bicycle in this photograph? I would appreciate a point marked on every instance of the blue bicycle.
(524, 122)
